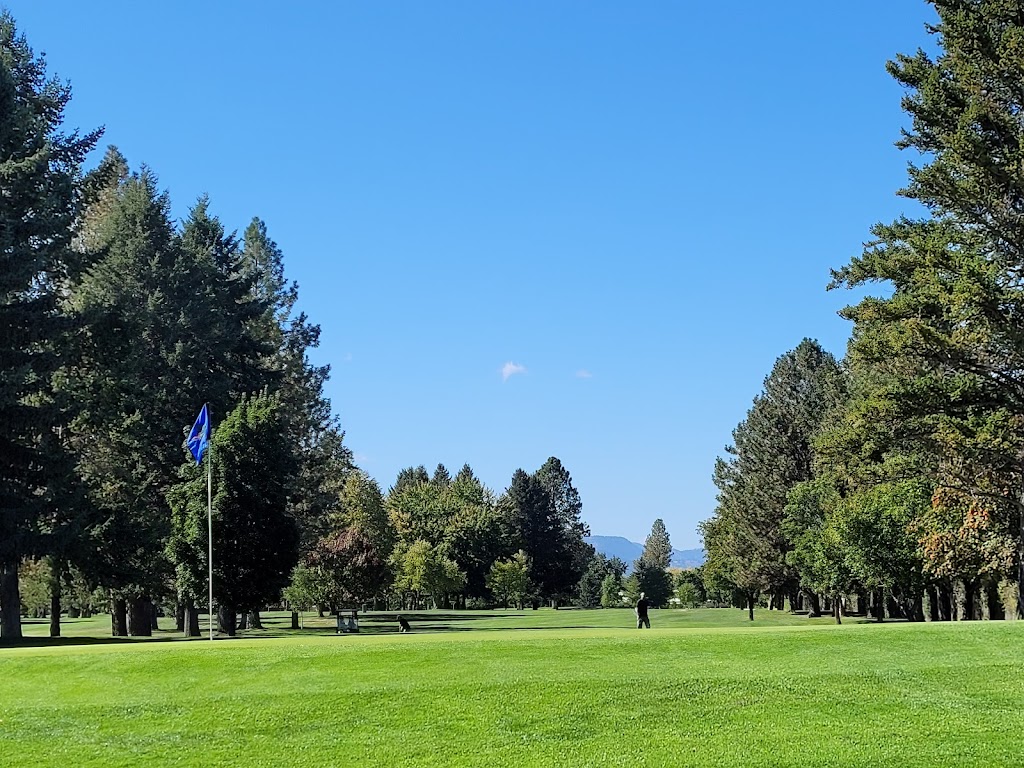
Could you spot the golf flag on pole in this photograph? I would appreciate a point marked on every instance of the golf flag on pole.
(199, 437)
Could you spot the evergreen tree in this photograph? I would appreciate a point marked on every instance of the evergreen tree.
(650, 569)
(325, 462)
(410, 476)
(569, 526)
(145, 367)
(38, 168)
(533, 526)
(441, 477)
(98, 193)
(657, 550)
(771, 454)
(128, 437)
(953, 321)
(255, 540)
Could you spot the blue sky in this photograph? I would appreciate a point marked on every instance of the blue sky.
(635, 205)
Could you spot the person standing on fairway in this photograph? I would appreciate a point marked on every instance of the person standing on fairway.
(641, 613)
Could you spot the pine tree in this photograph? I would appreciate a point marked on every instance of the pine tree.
(568, 527)
(533, 527)
(772, 453)
(953, 322)
(650, 569)
(38, 167)
(145, 368)
(441, 477)
(657, 547)
(255, 540)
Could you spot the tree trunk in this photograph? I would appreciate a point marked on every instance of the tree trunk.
(226, 618)
(1019, 610)
(118, 617)
(918, 608)
(55, 600)
(931, 608)
(838, 603)
(254, 620)
(153, 617)
(243, 622)
(796, 601)
(965, 603)
(750, 605)
(139, 622)
(878, 596)
(295, 619)
(893, 610)
(996, 610)
(179, 616)
(813, 606)
(1006, 592)
(945, 603)
(190, 619)
(10, 603)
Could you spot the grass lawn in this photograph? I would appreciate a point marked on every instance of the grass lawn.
(544, 688)
(97, 628)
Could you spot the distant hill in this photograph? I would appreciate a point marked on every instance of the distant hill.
(617, 546)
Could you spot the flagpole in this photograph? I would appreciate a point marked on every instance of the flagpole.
(209, 522)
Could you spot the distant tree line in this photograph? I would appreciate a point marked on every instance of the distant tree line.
(438, 541)
(892, 481)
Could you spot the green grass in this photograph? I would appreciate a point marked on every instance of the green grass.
(97, 628)
(522, 689)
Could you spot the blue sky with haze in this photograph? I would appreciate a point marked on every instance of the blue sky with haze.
(580, 229)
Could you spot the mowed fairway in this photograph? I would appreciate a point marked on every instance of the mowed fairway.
(699, 689)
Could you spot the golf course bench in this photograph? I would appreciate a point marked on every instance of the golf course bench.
(348, 620)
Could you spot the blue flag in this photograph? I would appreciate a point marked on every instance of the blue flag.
(199, 437)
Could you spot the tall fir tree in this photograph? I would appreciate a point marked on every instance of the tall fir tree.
(146, 366)
(772, 453)
(569, 528)
(651, 568)
(953, 318)
(255, 539)
(38, 168)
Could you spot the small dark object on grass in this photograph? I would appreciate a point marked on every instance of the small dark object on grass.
(403, 625)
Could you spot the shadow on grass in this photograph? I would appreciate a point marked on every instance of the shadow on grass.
(29, 641)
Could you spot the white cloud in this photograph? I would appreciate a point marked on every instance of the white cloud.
(583, 373)
(511, 369)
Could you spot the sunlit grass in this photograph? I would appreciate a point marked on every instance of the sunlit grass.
(545, 688)
(279, 623)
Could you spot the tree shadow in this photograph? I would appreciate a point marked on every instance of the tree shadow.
(47, 642)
